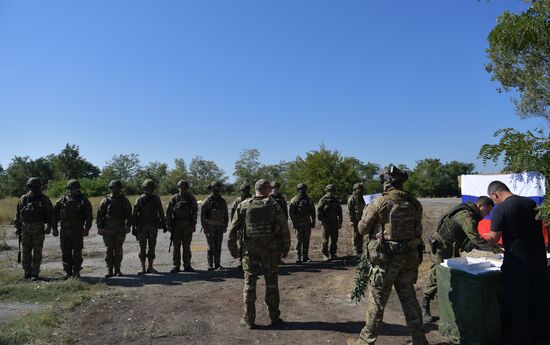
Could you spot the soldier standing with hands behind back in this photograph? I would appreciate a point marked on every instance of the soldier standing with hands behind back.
(74, 212)
(302, 214)
(356, 204)
(148, 218)
(329, 212)
(214, 220)
(33, 220)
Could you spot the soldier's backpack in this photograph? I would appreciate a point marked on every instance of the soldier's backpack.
(402, 220)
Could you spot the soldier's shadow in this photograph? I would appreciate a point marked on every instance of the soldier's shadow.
(351, 327)
(340, 264)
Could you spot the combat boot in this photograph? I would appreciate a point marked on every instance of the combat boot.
(425, 306)
(176, 269)
(188, 269)
(150, 268)
(277, 322)
(76, 274)
(118, 273)
(109, 272)
(143, 270)
(249, 325)
(27, 275)
(68, 274)
(299, 259)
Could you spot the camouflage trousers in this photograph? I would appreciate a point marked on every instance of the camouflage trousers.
(147, 240)
(330, 233)
(32, 241)
(401, 272)
(253, 266)
(430, 290)
(183, 235)
(357, 240)
(303, 235)
(72, 242)
(214, 239)
(114, 241)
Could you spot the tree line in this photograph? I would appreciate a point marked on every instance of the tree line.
(318, 168)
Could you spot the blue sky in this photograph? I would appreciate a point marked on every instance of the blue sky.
(385, 81)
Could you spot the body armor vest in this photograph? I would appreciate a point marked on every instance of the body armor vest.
(402, 219)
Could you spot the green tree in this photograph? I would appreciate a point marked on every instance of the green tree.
(21, 168)
(202, 172)
(247, 167)
(519, 50)
(428, 179)
(168, 186)
(69, 164)
(3, 182)
(155, 171)
(122, 167)
(454, 169)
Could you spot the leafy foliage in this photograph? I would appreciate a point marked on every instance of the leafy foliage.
(201, 172)
(519, 50)
(69, 164)
(431, 178)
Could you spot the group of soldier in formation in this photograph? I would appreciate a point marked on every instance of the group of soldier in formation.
(259, 236)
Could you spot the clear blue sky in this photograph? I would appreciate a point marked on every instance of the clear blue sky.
(385, 81)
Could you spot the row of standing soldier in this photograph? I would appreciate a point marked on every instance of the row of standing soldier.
(36, 216)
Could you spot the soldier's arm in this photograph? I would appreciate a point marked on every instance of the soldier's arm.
(194, 209)
(232, 239)
(56, 212)
(234, 208)
(351, 210)
(320, 210)
(469, 226)
(204, 211)
(282, 223)
(226, 213)
(420, 212)
(89, 214)
(17, 220)
(129, 214)
(292, 210)
(135, 211)
(312, 208)
(340, 217)
(49, 211)
(100, 216)
(160, 210)
(370, 217)
(285, 208)
(170, 210)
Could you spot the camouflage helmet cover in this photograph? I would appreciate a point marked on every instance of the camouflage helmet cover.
(276, 184)
(34, 182)
(148, 183)
(261, 183)
(244, 187)
(393, 175)
(214, 184)
(182, 183)
(115, 184)
(301, 186)
(73, 184)
(358, 185)
(330, 188)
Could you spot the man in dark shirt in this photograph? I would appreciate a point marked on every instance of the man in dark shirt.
(525, 312)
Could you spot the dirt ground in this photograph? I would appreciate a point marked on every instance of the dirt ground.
(205, 307)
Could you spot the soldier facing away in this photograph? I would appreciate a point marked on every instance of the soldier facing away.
(329, 213)
(74, 213)
(181, 221)
(356, 204)
(148, 218)
(302, 214)
(456, 231)
(265, 233)
(393, 224)
(114, 219)
(33, 220)
(245, 194)
(281, 200)
(214, 221)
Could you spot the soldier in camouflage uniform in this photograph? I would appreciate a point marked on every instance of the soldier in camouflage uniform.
(456, 231)
(264, 226)
(75, 214)
(245, 194)
(329, 213)
(393, 224)
(281, 200)
(356, 204)
(148, 218)
(302, 214)
(181, 221)
(33, 220)
(214, 221)
(114, 219)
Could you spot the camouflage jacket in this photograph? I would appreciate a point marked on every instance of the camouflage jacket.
(182, 208)
(148, 210)
(214, 211)
(281, 200)
(356, 204)
(33, 208)
(73, 212)
(329, 210)
(458, 228)
(236, 203)
(114, 212)
(302, 211)
(278, 239)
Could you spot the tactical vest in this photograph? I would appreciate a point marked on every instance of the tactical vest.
(402, 219)
(116, 210)
(148, 211)
(183, 209)
(303, 210)
(449, 230)
(72, 212)
(330, 209)
(216, 212)
(259, 219)
(34, 209)
(359, 206)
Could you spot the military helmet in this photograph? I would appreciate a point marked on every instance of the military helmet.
(182, 183)
(276, 184)
(115, 184)
(244, 187)
(261, 183)
(73, 184)
(214, 184)
(393, 175)
(301, 186)
(330, 188)
(148, 183)
(34, 182)
(358, 185)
